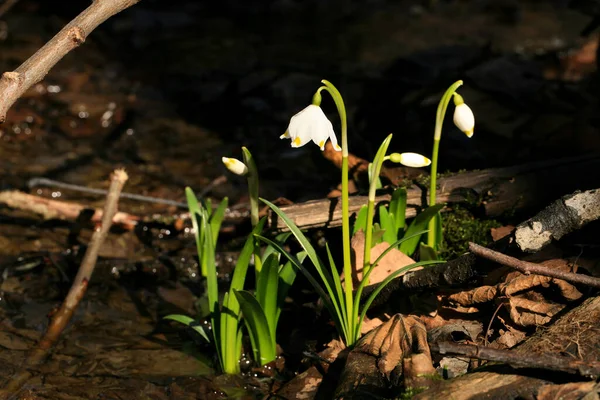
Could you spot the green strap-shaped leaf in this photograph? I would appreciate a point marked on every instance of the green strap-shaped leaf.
(426, 252)
(216, 219)
(280, 238)
(361, 220)
(258, 328)
(231, 307)
(266, 289)
(388, 225)
(419, 224)
(325, 275)
(398, 209)
(196, 214)
(287, 276)
(192, 323)
(332, 306)
(338, 285)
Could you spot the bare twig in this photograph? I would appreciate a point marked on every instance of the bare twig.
(520, 359)
(531, 268)
(78, 288)
(35, 182)
(6, 6)
(14, 84)
(51, 209)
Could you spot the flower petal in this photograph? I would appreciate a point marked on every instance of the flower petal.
(464, 119)
(310, 124)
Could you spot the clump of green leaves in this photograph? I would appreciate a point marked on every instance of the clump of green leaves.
(391, 225)
(260, 310)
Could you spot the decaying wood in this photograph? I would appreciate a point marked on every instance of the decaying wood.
(553, 362)
(502, 189)
(531, 268)
(57, 209)
(563, 216)
(78, 289)
(576, 335)
(14, 84)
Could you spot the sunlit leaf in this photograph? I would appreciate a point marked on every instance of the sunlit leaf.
(387, 225)
(216, 219)
(420, 223)
(258, 327)
(361, 220)
(192, 323)
(266, 289)
(398, 209)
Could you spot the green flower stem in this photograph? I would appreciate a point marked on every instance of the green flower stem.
(252, 177)
(377, 163)
(339, 103)
(439, 121)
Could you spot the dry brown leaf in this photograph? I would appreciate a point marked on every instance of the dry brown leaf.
(391, 262)
(370, 324)
(509, 337)
(482, 294)
(525, 312)
(582, 62)
(396, 339)
(503, 231)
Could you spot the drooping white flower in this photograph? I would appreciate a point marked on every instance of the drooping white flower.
(463, 116)
(414, 160)
(311, 124)
(235, 166)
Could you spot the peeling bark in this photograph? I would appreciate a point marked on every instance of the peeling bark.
(563, 216)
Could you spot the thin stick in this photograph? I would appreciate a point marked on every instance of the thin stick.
(531, 268)
(14, 84)
(519, 359)
(62, 317)
(6, 6)
(51, 209)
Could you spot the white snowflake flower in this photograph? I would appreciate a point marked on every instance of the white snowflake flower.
(311, 124)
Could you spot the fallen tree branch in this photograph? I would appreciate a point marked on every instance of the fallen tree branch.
(62, 317)
(575, 335)
(563, 216)
(514, 358)
(498, 190)
(6, 6)
(14, 84)
(56, 209)
(530, 268)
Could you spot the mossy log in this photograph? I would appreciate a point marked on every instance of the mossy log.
(498, 190)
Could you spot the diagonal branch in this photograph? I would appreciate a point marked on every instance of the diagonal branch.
(527, 268)
(80, 284)
(14, 84)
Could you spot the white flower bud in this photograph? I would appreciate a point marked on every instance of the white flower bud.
(235, 166)
(414, 160)
(464, 119)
